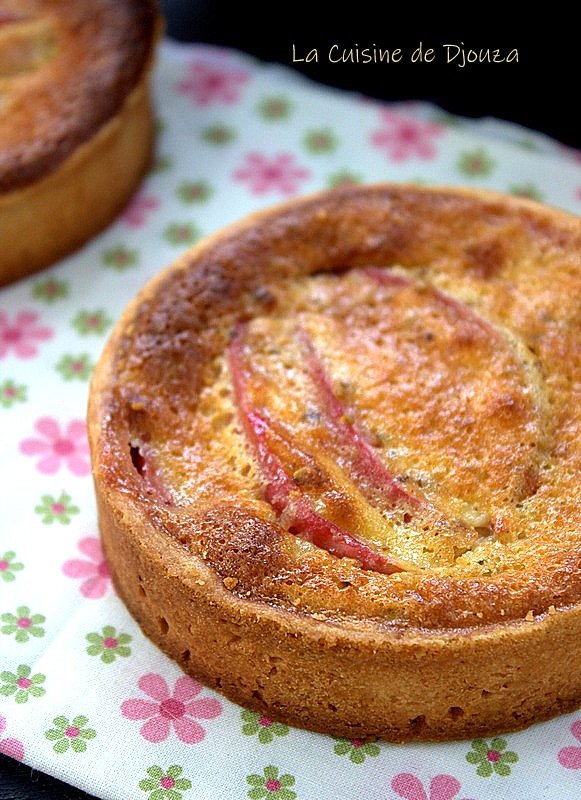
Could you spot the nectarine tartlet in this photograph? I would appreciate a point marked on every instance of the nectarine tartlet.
(336, 455)
(76, 126)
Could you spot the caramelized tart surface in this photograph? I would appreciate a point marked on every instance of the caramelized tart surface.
(76, 122)
(361, 409)
(66, 68)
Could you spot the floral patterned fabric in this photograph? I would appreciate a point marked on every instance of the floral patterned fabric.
(83, 695)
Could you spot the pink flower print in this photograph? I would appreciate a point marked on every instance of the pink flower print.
(136, 213)
(22, 335)
(207, 83)
(278, 174)
(442, 787)
(56, 447)
(10, 747)
(570, 757)
(165, 710)
(405, 137)
(572, 152)
(95, 571)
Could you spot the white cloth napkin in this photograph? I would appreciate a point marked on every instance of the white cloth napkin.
(83, 695)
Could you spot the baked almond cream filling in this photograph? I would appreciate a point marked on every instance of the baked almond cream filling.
(24, 46)
(386, 414)
(336, 453)
(74, 95)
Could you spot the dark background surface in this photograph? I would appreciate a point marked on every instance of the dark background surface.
(541, 91)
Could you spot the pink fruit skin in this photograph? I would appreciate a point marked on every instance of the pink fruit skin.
(365, 460)
(280, 490)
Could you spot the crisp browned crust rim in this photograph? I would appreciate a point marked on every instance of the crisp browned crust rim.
(485, 648)
(103, 49)
(67, 168)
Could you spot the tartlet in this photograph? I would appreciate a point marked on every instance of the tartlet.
(336, 456)
(76, 128)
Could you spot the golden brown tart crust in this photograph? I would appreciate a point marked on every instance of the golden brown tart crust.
(76, 125)
(336, 454)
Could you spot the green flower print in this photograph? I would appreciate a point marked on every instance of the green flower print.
(108, 644)
(527, 144)
(87, 322)
(160, 126)
(8, 566)
(476, 163)
(161, 163)
(274, 108)
(50, 289)
(263, 726)
(120, 257)
(11, 393)
(181, 233)
(491, 758)
(22, 684)
(58, 509)
(23, 624)
(71, 735)
(218, 134)
(194, 191)
(449, 120)
(75, 367)
(356, 749)
(271, 785)
(165, 784)
(343, 178)
(526, 190)
(320, 141)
